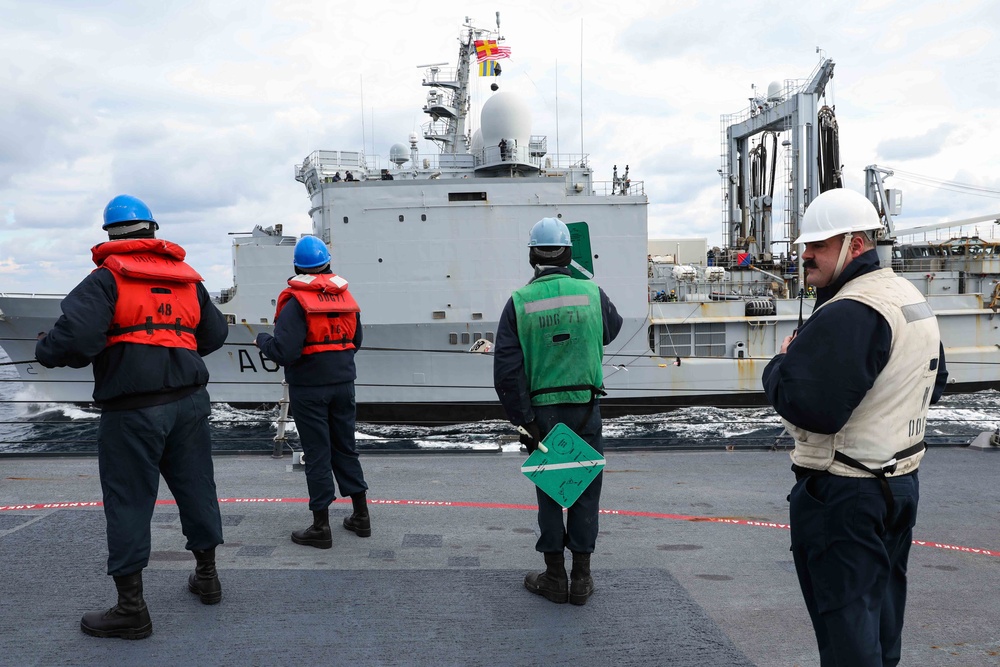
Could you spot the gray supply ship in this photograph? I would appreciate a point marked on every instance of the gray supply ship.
(433, 245)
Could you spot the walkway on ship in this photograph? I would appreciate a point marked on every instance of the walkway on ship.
(692, 568)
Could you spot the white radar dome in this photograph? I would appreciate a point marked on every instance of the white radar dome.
(774, 91)
(505, 116)
(477, 141)
(399, 154)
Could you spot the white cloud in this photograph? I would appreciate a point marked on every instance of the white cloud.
(928, 144)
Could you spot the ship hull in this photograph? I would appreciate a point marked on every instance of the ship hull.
(416, 385)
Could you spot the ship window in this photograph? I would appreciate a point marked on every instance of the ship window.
(489, 336)
(466, 196)
(477, 316)
(710, 340)
(465, 338)
(438, 315)
(675, 340)
(698, 340)
(423, 217)
(230, 319)
(345, 219)
(476, 336)
(263, 320)
(453, 338)
(400, 218)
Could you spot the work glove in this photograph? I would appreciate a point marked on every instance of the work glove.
(531, 441)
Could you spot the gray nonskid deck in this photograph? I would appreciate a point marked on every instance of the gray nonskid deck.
(441, 584)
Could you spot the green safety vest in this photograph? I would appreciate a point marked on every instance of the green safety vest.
(561, 330)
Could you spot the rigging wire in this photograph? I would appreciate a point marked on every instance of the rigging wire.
(942, 184)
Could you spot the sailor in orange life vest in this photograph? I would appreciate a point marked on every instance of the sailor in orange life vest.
(144, 320)
(546, 370)
(852, 387)
(317, 330)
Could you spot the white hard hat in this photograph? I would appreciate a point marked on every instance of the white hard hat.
(837, 212)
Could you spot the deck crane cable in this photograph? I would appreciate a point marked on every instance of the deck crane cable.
(635, 357)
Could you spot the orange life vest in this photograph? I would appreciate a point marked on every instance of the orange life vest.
(330, 311)
(157, 293)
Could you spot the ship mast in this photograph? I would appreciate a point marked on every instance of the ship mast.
(448, 99)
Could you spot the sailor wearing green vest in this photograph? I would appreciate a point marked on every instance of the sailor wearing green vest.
(546, 370)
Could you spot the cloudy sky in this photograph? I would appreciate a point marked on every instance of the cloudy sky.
(203, 108)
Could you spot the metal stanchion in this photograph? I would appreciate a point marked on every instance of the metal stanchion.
(280, 440)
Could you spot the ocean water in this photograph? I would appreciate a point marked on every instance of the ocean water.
(28, 427)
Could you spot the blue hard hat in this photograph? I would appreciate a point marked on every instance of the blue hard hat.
(310, 253)
(549, 232)
(126, 208)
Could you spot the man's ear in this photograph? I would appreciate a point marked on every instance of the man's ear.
(857, 246)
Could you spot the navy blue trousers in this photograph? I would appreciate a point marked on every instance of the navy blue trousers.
(324, 418)
(851, 559)
(134, 448)
(579, 533)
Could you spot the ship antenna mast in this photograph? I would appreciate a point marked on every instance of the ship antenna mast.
(583, 153)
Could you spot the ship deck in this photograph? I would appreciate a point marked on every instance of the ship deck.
(692, 568)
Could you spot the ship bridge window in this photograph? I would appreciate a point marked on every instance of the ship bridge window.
(466, 196)
(686, 340)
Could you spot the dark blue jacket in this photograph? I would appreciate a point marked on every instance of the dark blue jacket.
(127, 375)
(835, 359)
(307, 370)
(509, 378)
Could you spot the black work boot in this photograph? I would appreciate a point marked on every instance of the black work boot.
(359, 521)
(550, 584)
(204, 581)
(318, 534)
(581, 584)
(129, 619)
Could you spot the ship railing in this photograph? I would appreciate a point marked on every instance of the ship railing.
(327, 163)
(702, 290)
(488, 156)
(441, 76)
(533, 154)
(33, 295)
(920, 264)
(619, 189)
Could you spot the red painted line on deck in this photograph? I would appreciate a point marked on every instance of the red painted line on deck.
(504, 506)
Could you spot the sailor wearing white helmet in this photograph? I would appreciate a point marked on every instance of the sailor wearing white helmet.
(852, 387)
